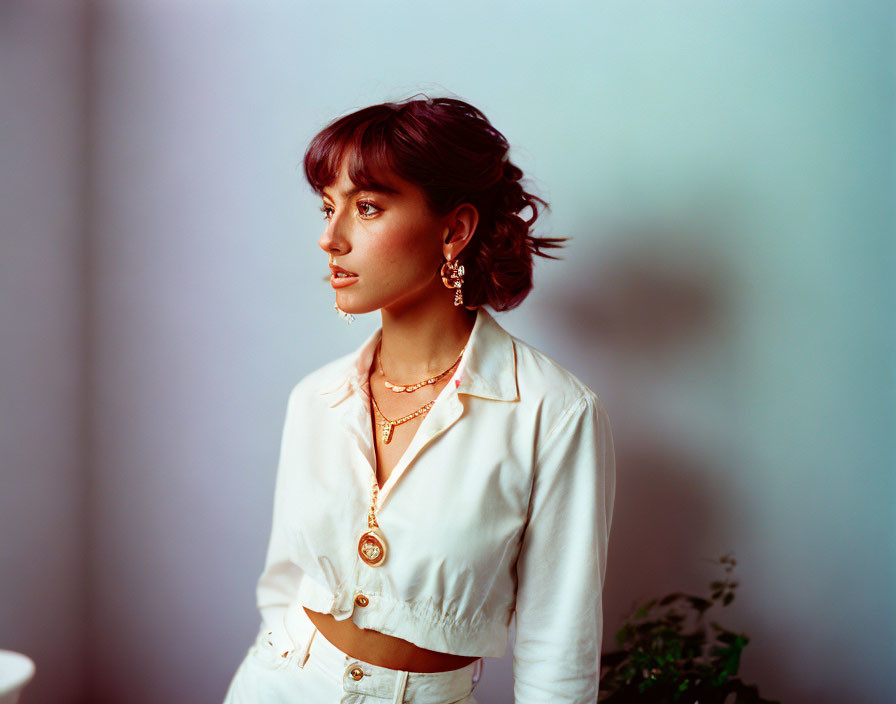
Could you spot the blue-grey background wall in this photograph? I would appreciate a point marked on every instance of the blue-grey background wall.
(726, 172)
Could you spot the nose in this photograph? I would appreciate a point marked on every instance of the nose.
(334, 238)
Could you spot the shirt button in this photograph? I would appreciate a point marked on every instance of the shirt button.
(361, 600)
(356, 673)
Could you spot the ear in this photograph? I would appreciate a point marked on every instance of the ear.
(459, 228)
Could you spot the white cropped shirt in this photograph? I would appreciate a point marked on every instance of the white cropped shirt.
(501, 505)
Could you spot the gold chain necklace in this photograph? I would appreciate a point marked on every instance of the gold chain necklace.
(372, 544)
(408, 388)
(386, 425)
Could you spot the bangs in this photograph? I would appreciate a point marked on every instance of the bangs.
(367, 142)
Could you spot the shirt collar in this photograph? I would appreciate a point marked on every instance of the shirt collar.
(487, 369)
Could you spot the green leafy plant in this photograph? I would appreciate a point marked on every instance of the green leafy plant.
(666, 653)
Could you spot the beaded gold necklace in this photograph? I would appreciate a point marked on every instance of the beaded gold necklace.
(409, 388)
(386, 424)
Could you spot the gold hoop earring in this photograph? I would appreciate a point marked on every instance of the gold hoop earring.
(453, 277)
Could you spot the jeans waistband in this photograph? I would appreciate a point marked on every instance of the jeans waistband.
(358, 676)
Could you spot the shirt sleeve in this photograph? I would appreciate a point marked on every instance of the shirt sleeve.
(562, 560)
(277, 585)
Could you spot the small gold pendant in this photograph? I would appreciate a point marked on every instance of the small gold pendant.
(372, 547)
(387, 432)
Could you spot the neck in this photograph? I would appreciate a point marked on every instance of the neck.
(423, 340)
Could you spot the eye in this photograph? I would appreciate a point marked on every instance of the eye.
(362, 204)
(327, 211)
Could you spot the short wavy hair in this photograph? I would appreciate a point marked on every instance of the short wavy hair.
(452, 152)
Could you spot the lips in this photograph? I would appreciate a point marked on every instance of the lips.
(338, 272)
(340, 278)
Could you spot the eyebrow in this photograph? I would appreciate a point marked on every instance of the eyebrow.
(374, 188)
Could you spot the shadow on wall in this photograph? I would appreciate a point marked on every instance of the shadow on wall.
(656, 322)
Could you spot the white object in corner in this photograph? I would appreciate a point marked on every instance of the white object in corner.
(16, 671)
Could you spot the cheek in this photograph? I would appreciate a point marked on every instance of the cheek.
(404, 248)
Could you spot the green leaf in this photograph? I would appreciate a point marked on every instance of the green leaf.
(624, 633)
(644, 608)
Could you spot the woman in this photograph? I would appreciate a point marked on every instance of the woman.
(445, 476)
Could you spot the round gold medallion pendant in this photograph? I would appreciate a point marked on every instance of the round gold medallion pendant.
(372, 547)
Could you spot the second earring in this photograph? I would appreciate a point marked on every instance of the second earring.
(453, 277)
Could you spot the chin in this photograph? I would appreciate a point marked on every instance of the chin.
(355, 307)
(395, 299)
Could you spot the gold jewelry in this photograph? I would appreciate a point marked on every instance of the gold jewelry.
(453, 277)
(387, 425)
(408, 388)
(372, 543)
(347, 317)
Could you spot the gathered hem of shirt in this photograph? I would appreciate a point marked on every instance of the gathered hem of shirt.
(415, 622)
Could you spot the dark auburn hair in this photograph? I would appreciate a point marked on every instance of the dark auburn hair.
(451, 151)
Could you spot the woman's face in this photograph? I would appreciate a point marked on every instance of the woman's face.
(388, 239)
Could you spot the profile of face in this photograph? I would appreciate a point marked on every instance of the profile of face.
(389, 241)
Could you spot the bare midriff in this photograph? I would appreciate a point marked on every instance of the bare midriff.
(384, 650)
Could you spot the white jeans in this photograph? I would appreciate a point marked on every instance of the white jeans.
(320, 673)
